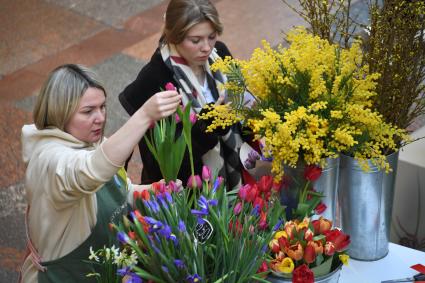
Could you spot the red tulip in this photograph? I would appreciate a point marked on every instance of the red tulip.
(132, 235)
(308, 235)
(145, 195)
(283, 243)
(265, 183)
(309, 253)
(274, 246)
(262, 224)
(263, 267)
(235, 228)
(258, 202)
(159, 187)
(302, 274)
(320, 208)
(338, 238)
(312, 172)
(252, 193)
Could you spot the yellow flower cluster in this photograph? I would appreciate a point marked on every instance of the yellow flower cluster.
(314, 100)
(221, 115)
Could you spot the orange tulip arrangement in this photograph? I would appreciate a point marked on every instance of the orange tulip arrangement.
(307, 249)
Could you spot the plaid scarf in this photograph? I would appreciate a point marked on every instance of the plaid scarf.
(188, 85)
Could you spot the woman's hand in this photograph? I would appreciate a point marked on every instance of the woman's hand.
(161, 105)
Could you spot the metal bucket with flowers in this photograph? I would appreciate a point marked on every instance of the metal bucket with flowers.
(308, 251)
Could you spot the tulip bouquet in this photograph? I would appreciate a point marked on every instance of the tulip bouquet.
(200, 232)
(217, 240)
(304, 250)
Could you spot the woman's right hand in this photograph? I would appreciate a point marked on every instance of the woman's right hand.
(161, 105)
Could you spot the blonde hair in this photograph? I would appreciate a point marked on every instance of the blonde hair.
(59, 96)
(181, 15)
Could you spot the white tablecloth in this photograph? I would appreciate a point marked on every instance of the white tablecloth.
(395, 265)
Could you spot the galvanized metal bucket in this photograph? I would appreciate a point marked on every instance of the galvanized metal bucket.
(332, 277)
(365, 200)
(326, 184)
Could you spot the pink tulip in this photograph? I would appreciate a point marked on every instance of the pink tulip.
(177, 118)
(170, 86)
(206, 173)
(238, 208)
(194, 182)
(193, 118)
(243, 192)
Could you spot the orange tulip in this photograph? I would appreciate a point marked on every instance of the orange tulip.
(321, 225)
(290, 227)
(295, 251)
(318, 247)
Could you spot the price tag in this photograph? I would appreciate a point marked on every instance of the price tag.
(203, 231)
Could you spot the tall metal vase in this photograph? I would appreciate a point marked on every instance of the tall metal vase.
(326, 184)
(365, 200)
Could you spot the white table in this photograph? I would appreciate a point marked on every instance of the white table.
(395, 265)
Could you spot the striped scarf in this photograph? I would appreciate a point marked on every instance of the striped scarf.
(188, 85)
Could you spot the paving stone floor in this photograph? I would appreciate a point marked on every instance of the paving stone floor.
(115, 38)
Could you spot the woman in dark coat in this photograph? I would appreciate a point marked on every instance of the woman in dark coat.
(186, 50)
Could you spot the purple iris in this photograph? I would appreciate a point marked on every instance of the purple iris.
(154, 205)
(162, 201)
(182, 226)
(179, 263)
(193, 278)
(204, 204)
(217, 184)
(168, 197)
(256, 211)
(123, 237)
(132, 277)
(155, 225)
(174, 239)
(165, 231)
(278, 224)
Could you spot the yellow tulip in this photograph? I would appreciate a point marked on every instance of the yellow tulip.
(285, 266)
(344, 258)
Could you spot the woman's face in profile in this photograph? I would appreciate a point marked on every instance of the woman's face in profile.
(86, 124)
(198, 44)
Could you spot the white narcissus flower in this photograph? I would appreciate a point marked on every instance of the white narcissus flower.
(123, 259)
(93, 255)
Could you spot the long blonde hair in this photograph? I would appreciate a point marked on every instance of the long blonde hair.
(59, 96)
(181, 15)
